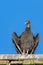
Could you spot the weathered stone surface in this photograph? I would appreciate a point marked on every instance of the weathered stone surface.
(21, 59)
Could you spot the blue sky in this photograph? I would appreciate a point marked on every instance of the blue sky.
(13, 14)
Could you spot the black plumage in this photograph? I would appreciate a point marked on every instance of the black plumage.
(27, 42)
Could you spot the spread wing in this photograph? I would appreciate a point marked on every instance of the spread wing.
(16, 42)
(36, 40)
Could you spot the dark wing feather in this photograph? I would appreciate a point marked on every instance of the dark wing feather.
(16, 41)
(36, 43)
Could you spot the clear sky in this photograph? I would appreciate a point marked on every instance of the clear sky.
(13, 14)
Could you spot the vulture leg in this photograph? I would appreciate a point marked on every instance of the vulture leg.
(15, 39)
(35, 43)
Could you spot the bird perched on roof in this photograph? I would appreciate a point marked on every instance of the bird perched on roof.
(26, 42)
